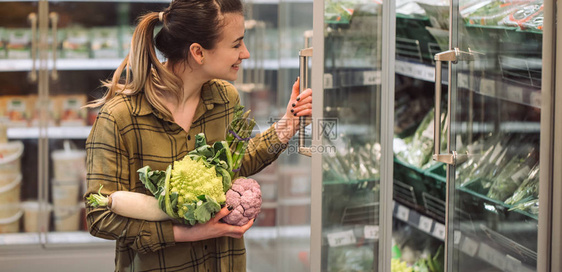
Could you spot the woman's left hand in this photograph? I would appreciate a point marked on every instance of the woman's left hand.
(299, 105)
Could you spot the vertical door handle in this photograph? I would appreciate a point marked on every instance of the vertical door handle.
(54, 22)
(304, 55)
(32, 18)
(451, 56)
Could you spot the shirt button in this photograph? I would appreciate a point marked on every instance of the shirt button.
(189, 137)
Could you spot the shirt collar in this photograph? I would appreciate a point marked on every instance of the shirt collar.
(212, 92)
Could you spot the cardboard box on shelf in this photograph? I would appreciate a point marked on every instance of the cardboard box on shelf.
(76, 44)
(15, 110)
(104, 42)
(71, 111)
(2, 43)
(51, 111)
(18, 43)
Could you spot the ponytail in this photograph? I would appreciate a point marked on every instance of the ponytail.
(143, 70)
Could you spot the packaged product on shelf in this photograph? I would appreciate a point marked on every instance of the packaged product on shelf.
(69, 164)
(71, 111)
(11, 224)
(535, 23)
(76, 44)
(522, 15)
(125, 38)
(492, 13)
(104, 42)
(339, 12)
(16, 110)
(67, 218)
(512, 175)
(438, 13)
(2, 43)
(528, 190)
(18, 43)
(31, 209)
(65, 192)
(51, 111)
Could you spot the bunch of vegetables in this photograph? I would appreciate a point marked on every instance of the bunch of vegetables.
(193, 189)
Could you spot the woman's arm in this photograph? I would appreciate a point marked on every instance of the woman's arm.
(108, 165)
(212, 229)
(268, 145)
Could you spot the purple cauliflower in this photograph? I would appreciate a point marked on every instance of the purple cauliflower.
(244, 197)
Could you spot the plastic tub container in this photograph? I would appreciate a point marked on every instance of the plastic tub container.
(65, 193)
(69, 164)
(8, 210)
(10, 155)
(10, 193)
(31, 210)
(11, 224)
(67, 218)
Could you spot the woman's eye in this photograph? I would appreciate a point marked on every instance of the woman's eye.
(237, 46)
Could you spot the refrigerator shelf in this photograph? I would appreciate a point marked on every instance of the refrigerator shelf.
(465, 241)
(19, 65)
(52, 132)
(518, 87)
(55, 238)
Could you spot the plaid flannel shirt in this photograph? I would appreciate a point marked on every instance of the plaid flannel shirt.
(129, 134)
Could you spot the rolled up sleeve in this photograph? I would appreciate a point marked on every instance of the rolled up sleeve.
(262, 150)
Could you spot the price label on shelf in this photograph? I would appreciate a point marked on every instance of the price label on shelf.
(512, 264)
(371, 78)
(409, 70)
(515, 94)
(419, 72)
(425, 224)
(469, 246)
(487, 87)
(403, 213)
(457, 237)
(536, 99)
(399, 67)
(371, 232)
(341, 238)
(439, 231)
(328, 81)
(492, 256)
(463, 81)
(430, 74)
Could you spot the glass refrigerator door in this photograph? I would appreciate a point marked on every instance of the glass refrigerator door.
(349, 134)
(491, 153)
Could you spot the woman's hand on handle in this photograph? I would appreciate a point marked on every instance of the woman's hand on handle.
(212, 229)
(299, 105)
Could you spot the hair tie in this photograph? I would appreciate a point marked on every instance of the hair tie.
(161, 16)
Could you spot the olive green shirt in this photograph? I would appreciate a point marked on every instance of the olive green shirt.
(129, 134)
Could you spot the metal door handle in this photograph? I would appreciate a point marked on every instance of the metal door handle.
(54, 22)
(451, 56)
(32, 18)
(304, 54)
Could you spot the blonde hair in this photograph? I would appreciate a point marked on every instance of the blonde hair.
(143, 71)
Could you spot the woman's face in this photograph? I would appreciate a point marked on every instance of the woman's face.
(225, 59)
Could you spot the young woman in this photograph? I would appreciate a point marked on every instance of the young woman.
(151, 118)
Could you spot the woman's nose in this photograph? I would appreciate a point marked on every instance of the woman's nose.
(245, 53)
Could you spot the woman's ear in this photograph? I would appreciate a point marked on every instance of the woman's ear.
(196, 51)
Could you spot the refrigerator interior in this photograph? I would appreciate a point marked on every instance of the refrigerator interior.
(495, 122)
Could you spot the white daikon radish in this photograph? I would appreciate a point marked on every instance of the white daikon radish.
(130, 204)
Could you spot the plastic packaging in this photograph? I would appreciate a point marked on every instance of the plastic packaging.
(69, 164)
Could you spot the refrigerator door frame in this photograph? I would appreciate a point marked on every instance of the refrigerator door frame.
(550, 214)
(387, 135)
(550, 217)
